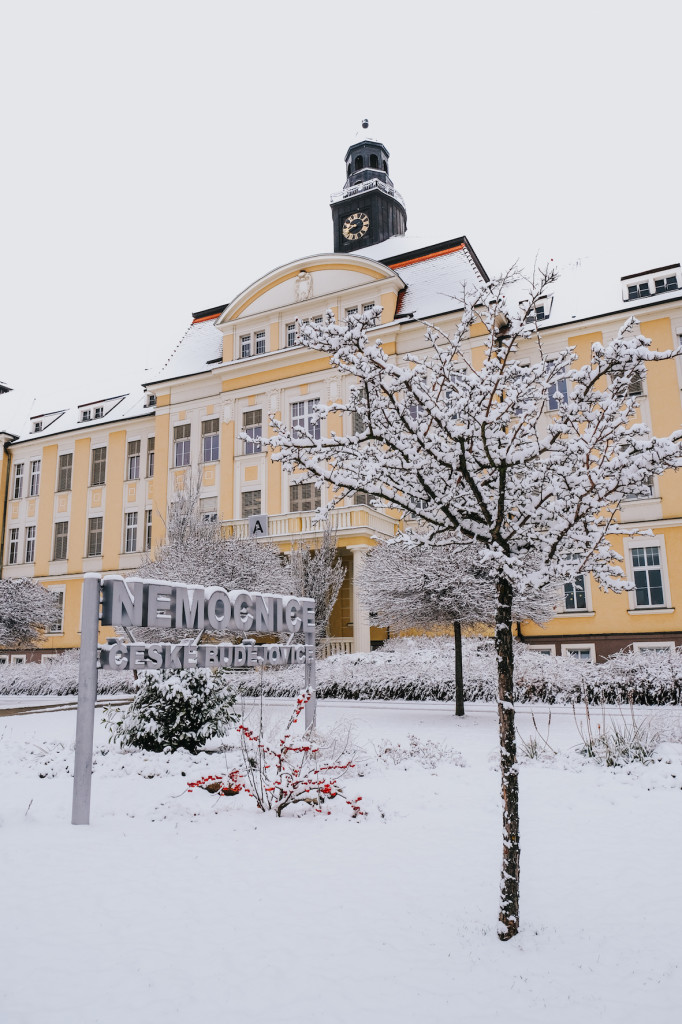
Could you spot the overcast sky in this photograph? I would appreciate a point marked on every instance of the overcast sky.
(161, 156)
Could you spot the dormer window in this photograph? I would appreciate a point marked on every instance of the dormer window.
(151, 400)
(99, 412)
(666, 284)
(37, 426)
(541, 310)
(86, 414)
(638, 291)
(651, 283)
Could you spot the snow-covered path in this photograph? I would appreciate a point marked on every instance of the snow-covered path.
(174, 906)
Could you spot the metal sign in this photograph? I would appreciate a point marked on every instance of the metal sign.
(258, 526)
(153, 604)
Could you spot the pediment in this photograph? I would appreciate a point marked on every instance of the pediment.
(312, 278)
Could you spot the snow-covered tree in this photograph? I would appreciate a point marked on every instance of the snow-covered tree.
(317, 572)
(414, 585)
(195, 551)
(530, 461)
(27, 610)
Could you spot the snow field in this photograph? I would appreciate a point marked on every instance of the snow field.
(174, 906)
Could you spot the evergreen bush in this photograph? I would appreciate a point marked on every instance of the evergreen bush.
(177, 709)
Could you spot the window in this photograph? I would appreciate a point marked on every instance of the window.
(636, 385)
(318, 320)
(415, 411)
(13, 546)
(4, 659)
(550, 651)
(94, 536)
(373, 160)
(151, 399)
(575, 597)
(58, 626)
(260, 343)
(86, 415)
(61, 539)
(181, 437)
(30, 543)
(98, 470)
(64, 474)
(18, 659)
(303, 498)
(648, 577)
(99, 412)
(131, 532)
(581, 652)
(359, 422)
(359, 163)
(352, 311)
(148, 529)
(250, 503)
(210, 440)
(361, 498)
(558, 393)
(134, 448)
(662, 647)
(253, 426)
(34, 482)
(245, 346)
(209, 509)
(638, 291)
(151, 441)
(665, 284)
(291, 335)
(304, 418)
(18, 485)
(37, 426)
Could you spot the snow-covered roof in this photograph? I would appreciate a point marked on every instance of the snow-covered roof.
(597, 285)
(201, 344)
(70, 417)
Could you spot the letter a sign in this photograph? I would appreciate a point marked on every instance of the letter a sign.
(258, 526)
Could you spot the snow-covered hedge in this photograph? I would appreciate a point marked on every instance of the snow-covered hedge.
(58, 678)
(420, 668)
(416, 668)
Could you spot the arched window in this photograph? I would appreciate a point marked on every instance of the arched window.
(373, 160)
(349, 170)
(386, 167)
(359, 163)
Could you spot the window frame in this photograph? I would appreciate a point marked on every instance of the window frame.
(151, 452)
(213, 438)
(646, 646)
(567, 651)
(299, 498)
(61, 600)
(98, 466)
(64, 472)
(90, 534)
(34, 478)
(244, 346)
(148, 524)
(260, 342)
(244, 504)
(182, 444)
(30, 539)
(130, 524)
(133, 459)
(254, 446)
(18, 481)
(310, 406)
(63, 538)
(290, 335)
(13, 546)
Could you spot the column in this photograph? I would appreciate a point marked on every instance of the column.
(361, 644)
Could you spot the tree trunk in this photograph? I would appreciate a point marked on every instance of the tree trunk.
(511, 849)
(459, 676)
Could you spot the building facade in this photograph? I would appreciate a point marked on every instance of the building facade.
(86, 489)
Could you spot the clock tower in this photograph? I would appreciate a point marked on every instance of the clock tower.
(369, 209)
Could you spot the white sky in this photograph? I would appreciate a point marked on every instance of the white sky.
(161, 156)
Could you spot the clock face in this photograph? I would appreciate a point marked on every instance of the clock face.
(355, 226)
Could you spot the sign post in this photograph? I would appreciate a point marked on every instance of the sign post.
(153, 604)
(87, 695)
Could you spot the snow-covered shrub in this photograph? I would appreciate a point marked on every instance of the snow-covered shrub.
(290, 770)
(58, 678)
(176, 709)
(428, 753)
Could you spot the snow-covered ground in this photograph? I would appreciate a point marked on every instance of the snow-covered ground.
(177, 906)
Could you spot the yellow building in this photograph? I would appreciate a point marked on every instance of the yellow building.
(87, 488)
